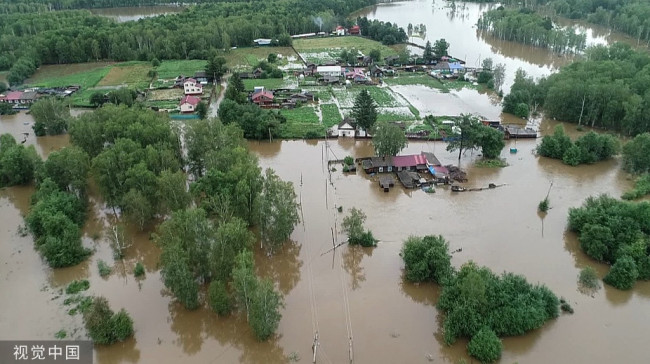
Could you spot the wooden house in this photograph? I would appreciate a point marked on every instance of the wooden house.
(377, 165)
(412, 162)
(346, 128)
(262, 98)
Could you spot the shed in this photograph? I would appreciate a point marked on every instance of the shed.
(332, 71)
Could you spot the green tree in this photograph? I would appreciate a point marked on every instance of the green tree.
(232, 237)
(177, 276)
(216, 67)
(388, 139)
(136, 208)
(265, 307)
(172, 190)
(105, 327)
(491, 141)
(51, 116)
(7, 109)
(556, 145)
(272, 57)
(353, 224)
(219, 299)
(68, 168)
(122, 96)
(440, 47)
(466, 135)
(244, 280)
(278, 210)
(202, 110)
(485, 346)
(375, 54)
(427, 259)
(635, 156)
(623, 274)
(155, 62)
(498, 76)
(428, 55)
(235, 89)
(17, 163)
(97, 99)
(364, 110)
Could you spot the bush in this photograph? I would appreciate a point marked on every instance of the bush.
(636, 159)
(139, 271)
(219, 299)
(348, 160)
(641, 188)
(104, 269)
(77, 286)
(366, 240)
(588, 278)
(565, 306)
(589, 148)
(103, 326)
(122, 325)
(61, 334)
(426, 259)
(543, 205)
(521, 110)
(485, 346)
(623, 274)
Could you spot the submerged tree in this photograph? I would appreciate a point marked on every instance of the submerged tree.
(51, 116)
(353, 226)
(278, 210)
(388, 139)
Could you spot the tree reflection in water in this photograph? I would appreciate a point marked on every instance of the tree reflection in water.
(352, 257)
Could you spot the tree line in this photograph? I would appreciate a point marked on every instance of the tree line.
(527, 27)
(608, 89)
(71, 36)
(380, 31)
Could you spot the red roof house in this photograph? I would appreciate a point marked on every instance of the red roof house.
(188, 103)
(410, 162)
(262, 98)
(355, 30)
(12, 97)
(192, 87)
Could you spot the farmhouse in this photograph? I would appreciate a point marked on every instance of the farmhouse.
(12, 97)
(355, 30)
(340, 30)
(192, 87)
(188, 103)
(262, 97)
(331, 71)
(346, 128)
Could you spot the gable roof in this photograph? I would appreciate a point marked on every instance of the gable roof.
(14, 95)
(347, 121)
(411, 160)
(267, 94)
(190, 80)
(431, 158)
(189, 99)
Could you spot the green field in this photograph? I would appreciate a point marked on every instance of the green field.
(268, 83)
(173, 69)
(383, 96)
(85, 79)
(331, 114)
(244, 59)
(301, 115)
(128, 73)
(326, 44)
(294, 130)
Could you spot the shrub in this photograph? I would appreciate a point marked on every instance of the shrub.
(61, 334)
(588, 278)
(219, 299)
(623, 274)
(543, 205)
(636, 159)
(426, 259)
(103, 326)
(565, 306)
(138, 271)
(104, 269)
(641, 188)
(77, 286)
(485, 346)
(348, 160)
(366, 240)
(122, 325)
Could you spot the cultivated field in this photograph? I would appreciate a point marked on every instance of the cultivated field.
(83, 74)
(326, 49)
(128, 74)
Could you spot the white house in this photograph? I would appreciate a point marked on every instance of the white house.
(346, 128)
(262, 41)
(331, 71)
(340, 30)
(192, 87)
(188, 103)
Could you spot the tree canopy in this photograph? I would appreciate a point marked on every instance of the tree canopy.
(51, 116)
(589, 148)
(364, 110)
(388, 139)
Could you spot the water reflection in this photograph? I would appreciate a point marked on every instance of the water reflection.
(352, 257)
(124, 352)
(188, 326)
(283, 267)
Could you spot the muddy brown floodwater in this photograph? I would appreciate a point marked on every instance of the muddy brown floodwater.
(390, 320)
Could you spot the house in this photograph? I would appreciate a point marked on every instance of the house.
(391, 60)
(329, 80)
(377, 165)
(188, 103)
(192, 87)
(355, 30)
(413, 162)
(262, 97)
(431, 158)
(179, 81)
(12, 97)
(262, 42)
(302, 97)
(346, 128)
(202, 77)
(354, 74)
(332, 71)
(339, 30)
(28, 97)
(367, 60)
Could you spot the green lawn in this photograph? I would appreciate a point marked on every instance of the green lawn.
(291, 130)
(85, 79)
(128, 73)
(315, 45)
(244, 59)
(331, 114)
(172, 69)
(383, 96)
(302, 115)
(268, 83)
(82, 97)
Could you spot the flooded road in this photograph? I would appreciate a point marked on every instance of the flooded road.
(390, 320)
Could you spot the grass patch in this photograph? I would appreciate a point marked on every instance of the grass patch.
(302, 115)
(327, 43)
(165, 95)
(104, 269)
(85, 79)
(61, 334)
(491, 163)
(128, 73)
(77, 286)
(588, 278)
(331, 114)
(301, 130)
(162, 104)
(641, 188)
(268, 83)
(245, 58)
(173, 69)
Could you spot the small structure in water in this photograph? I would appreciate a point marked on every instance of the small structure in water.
(457, 188)
(386, 182)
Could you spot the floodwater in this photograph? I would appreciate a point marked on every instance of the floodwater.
(390, 320)
(469, 101)
(134, 13)
(458, 27)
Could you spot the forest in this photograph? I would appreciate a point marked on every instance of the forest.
(525, 26)
(609, 89)
(30, 39)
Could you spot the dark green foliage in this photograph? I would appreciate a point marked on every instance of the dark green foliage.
(522, 25)
(353, 226)
(17, 163)
(588, 278)
(388, 139)
(490, 141)
(381, 31)
(565, 306)
(219, 299)
(7, 109)
(364, 110)
(636, 158)
(155, 62)
(485, 346)
(543, 205)
(202, 109)
(68, 168)
(278, 210)
(471, 134)
(508, 305)
(97, 99)
(427, 259)
(348, 160)
(623, 274)
(428, 54)
(77, 286)
(525, 95)
(235, 89)
(264, 316)
(589, 148)
(122, 96)
(641, 188)
(216, 67)
(104, 269)
(272, 57)
(441, 47)
(610, 230)
(61, 334)
(139, 270)
(256, 123)
(105, 327)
